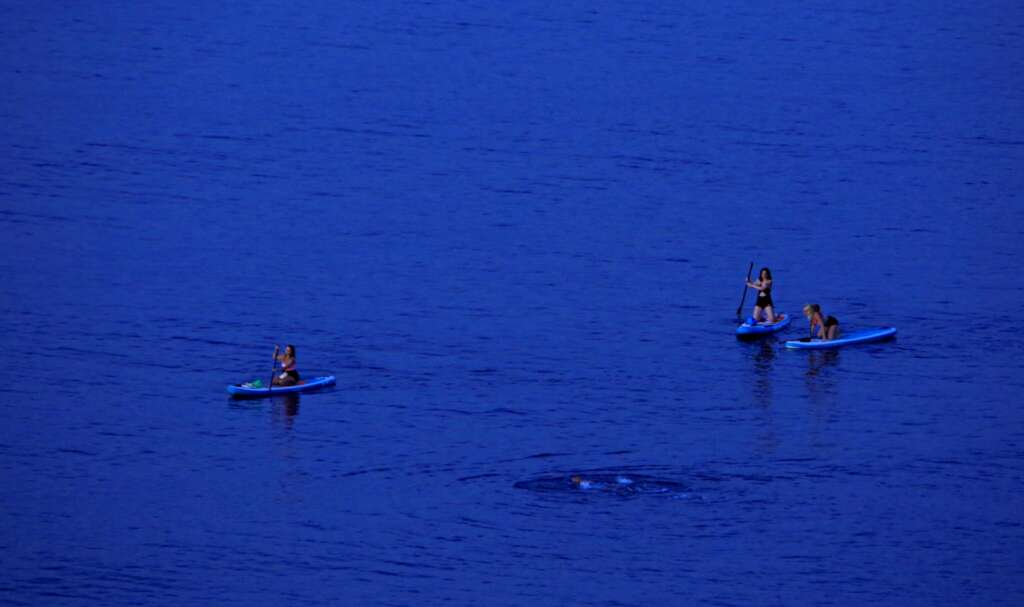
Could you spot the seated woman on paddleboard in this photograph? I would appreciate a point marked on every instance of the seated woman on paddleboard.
(828, 328)
(763, 303)
(289, 371)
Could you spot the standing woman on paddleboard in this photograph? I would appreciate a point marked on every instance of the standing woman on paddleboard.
(289, 371)
(828, 327)
(764, 302)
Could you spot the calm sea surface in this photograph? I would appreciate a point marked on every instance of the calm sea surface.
(517, 234)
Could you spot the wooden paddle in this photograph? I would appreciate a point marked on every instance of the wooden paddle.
(739, 310)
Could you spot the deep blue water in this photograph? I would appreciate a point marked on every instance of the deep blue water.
(517, 234)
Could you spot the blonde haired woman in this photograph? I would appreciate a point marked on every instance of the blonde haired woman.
(828, 327)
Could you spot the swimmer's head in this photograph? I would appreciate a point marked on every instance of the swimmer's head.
(577, 479)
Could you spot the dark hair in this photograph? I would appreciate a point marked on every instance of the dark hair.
(289, 346)
(763, 270)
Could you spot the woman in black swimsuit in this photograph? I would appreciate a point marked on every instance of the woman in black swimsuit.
(763, 303)
(289, 370)
(828, 327)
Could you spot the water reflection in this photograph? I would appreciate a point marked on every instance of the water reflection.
(764, 394)
(763, 368)
(818, 361)
(285, 408)
(819, 377)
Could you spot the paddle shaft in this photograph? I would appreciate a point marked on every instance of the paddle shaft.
(743, 300)
(273, 369)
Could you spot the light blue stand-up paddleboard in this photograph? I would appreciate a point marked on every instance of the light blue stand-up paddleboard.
(853, 337)
(750, 330)
(258, 388)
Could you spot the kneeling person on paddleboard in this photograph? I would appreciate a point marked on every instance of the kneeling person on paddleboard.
(289, 370)
(828, 328)
(764, 307)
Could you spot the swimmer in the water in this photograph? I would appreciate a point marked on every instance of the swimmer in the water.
(582, 483)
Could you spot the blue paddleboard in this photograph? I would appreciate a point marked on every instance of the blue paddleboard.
(260, 389)
(748, 330)
(853, 337)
